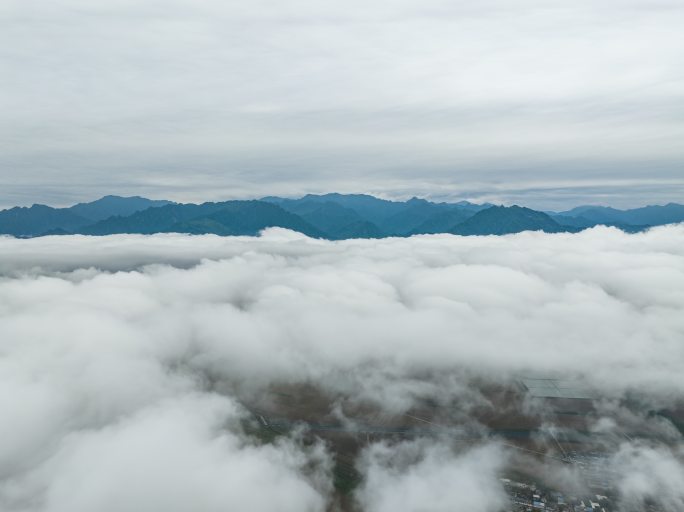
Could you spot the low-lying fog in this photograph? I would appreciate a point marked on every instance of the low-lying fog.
(128, 363)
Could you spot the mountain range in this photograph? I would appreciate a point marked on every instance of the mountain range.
(330, 216)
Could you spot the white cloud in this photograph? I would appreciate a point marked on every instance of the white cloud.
(601, 304)
(135, 341)
(431, 476)
(649, 474)
(175, 455)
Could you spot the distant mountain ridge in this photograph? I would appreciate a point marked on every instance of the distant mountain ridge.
(652, 215)
(225, 218)
(367, 216)
(330, 216)
(503, 220)
(40, 219)
(109, 206)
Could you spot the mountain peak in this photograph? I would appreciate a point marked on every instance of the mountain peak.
(417, 200)
(502, 220)
(111, 205)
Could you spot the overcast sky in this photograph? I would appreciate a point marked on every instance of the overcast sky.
(543, 103)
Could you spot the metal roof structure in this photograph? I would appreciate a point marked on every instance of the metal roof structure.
(555, 388)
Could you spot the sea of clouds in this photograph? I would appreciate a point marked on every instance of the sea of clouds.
(125, 360)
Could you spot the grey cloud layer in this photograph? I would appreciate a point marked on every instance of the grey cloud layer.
(428, 476)
(564, 302)
(647, 472)
(114, 348)
(447, 97)
(175, 455)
